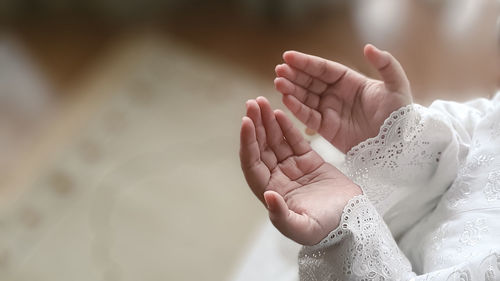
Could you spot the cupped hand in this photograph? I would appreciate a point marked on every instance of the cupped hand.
(342, 105)
(304, 195)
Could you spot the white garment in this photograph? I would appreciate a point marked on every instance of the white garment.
(431, 179)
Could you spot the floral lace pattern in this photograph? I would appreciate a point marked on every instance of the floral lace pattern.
(463, 247)
(399, 148)
(473, 232)
(460, 275)
(459, 193)
(487, 269)
(492, 189)
(436, 245)
(375, 152)
(364, 249)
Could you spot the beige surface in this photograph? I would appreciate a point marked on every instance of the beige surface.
(144, 183)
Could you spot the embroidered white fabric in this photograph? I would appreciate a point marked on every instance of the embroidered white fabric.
(433, 175)
(360, 248)
(401, 169)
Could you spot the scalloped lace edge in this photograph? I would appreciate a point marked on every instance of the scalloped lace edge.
(380, 138)
(343, 228)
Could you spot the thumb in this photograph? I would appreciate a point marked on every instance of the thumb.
(277, 207)
(390, 69)
(294, 226)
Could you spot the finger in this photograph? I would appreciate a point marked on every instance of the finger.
(310, 117)
(300, 78)
(325, 70)
(249, 148)
(273, 131)
(253, 112)
(266, 155)
(286, 87)
(292, 135)
(256, 172)
(389, 68)
(294, 226)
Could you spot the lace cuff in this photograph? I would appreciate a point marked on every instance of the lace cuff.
(353, 207)
(397, 119)
(400, 170)
(361, 247)
(397, 142)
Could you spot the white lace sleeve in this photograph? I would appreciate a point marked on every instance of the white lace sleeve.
(362, 248)
(406, 168)
(406, 171)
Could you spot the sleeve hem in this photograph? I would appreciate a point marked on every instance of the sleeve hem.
(342, 230)
(381, 138)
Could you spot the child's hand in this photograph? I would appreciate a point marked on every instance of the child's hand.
(344, 106)
(304, 194)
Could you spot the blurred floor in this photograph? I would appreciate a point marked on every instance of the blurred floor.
(146, 183)
(133, 172)
(436, 43)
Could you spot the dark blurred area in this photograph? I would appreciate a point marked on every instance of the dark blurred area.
(119, 119)
(66, 35)
(112, 10)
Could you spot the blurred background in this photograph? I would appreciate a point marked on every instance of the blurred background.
(119, 121)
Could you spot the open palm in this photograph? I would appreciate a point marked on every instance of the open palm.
(344, 106)
(305, 195)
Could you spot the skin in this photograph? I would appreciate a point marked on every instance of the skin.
(342, 105)
(305, 195)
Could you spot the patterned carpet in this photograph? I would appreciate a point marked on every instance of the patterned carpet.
(144, 182)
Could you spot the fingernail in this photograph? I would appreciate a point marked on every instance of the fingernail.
(267, 203)
(376, 49)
